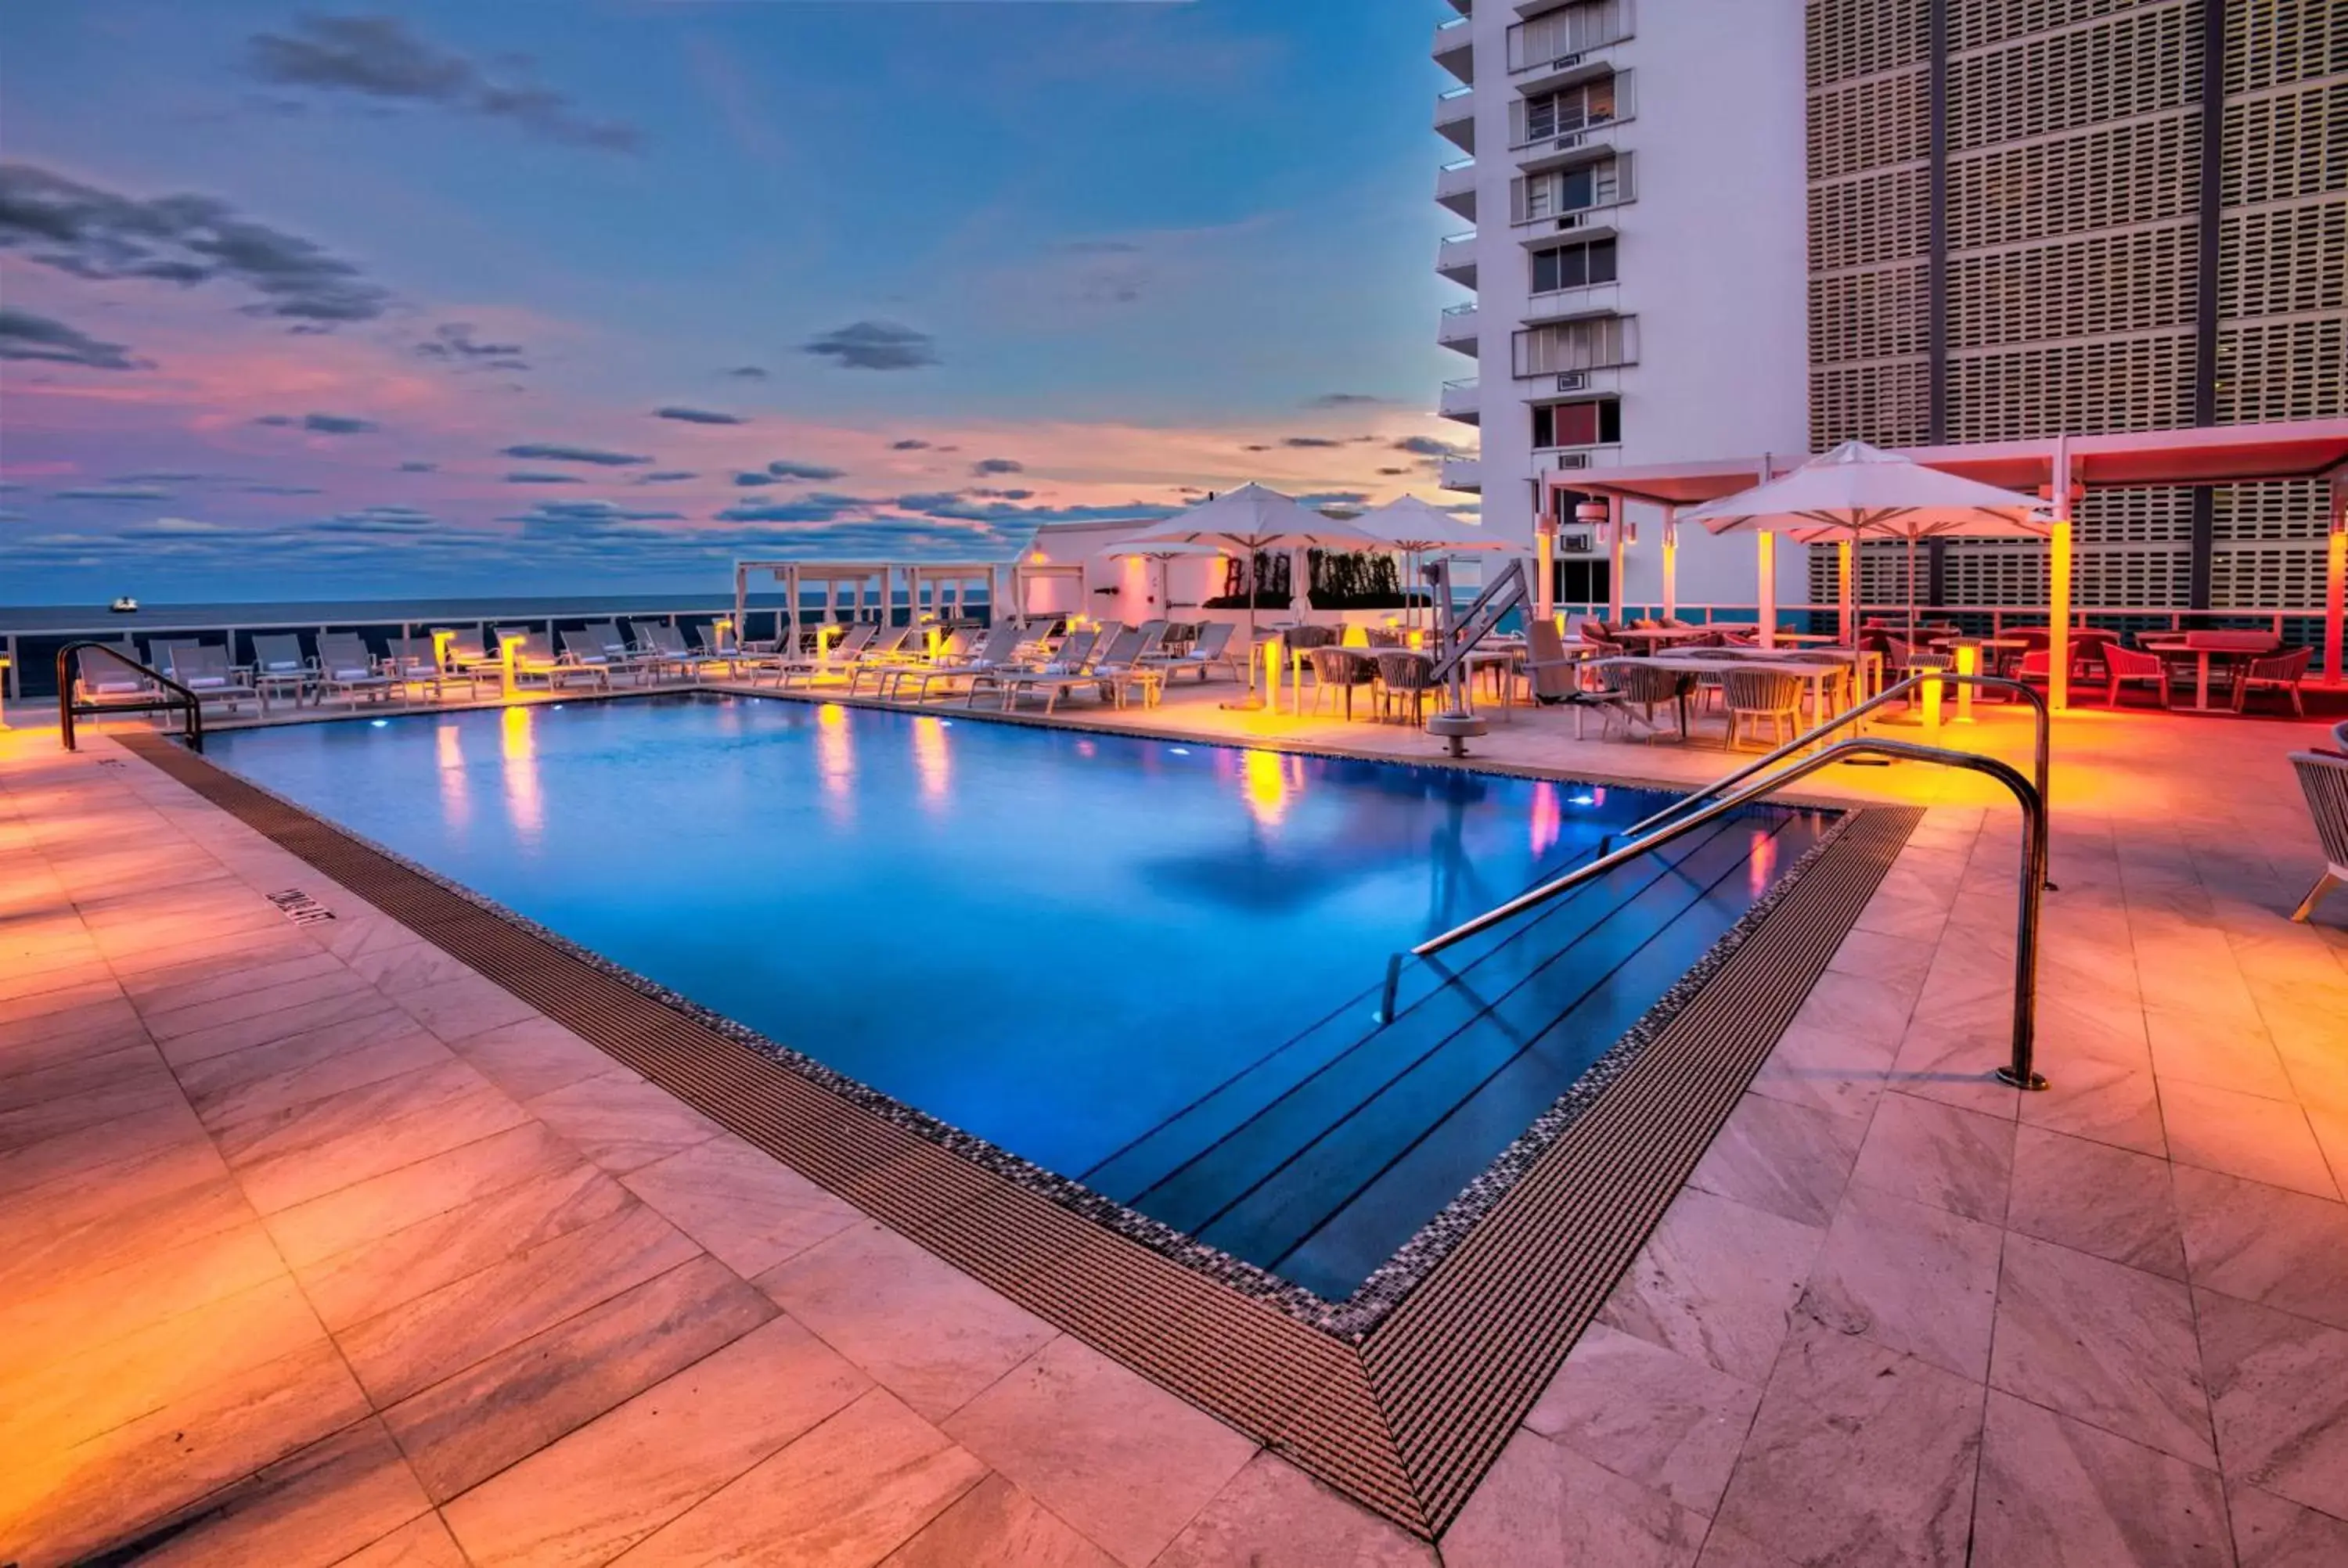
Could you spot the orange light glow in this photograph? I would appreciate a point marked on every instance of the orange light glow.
(2058, 616)
(442, 637)
(456, 801)
(1761, 867)
(834, 757)
(1548, 818)
(1263, 782)
(1968, 663)
(930, 764)
(1271, 671)
(1355, 637)
(518, 746)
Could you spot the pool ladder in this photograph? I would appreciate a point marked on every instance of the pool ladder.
(1725, 796)
(173, 694)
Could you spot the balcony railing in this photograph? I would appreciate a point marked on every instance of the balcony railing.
(1553, 41)
(1455, 187)
(1455, 117)
(1456, 327)
(1456, 258)
(1459, 400)
(1462, 473)
(1454, 47)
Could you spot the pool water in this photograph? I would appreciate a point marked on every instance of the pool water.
(1146, 964)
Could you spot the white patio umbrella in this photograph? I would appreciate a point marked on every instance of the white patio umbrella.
(1859, 492)
(1253, 518)
(1415, 529)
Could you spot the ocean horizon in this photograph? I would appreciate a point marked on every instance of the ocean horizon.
(52, 618)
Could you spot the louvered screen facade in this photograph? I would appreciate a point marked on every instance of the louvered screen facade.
(2073, 231)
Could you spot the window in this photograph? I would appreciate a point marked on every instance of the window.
(1574, 108)
(1596, 343)
(1592, 423)
(1555, 192)
(1572, 266)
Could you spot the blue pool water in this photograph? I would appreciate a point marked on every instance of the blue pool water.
(1146, 965)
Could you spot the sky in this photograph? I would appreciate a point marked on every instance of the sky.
(572, 295)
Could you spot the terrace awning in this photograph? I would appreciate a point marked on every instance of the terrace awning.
(2059, 468)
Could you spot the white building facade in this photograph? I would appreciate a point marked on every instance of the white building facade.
(1636, 277)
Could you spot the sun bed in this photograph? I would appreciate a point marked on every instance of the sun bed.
(1211, 649)
(589, 648)
(204, 668)
(839, 660)
(346, 670)
(1055, 677)
(662, 646)
(534, 660)
(992, 656)
(280, 668)
(99, 681)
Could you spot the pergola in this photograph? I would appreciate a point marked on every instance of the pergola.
(947, 584)
(2061, 468)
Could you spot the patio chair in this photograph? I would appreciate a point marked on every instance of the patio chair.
(1755, 694)
(1647, 687)
(1902, 659)
(2324, 779)
(2276, 672)
(2133, 666)
(1550, 674)
(281, 668)
(1336, 669)
(1405, 675)
(346, 670)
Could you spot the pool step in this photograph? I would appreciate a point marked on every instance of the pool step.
(1363, 1133)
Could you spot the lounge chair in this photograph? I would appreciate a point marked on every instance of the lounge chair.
(346, 670)
(1551, 673)
(2324, 779)
(893, 648)
(1213, 648)
(534, 660)
(589, 648)
(204, 669)
(99, 681)
(662, 646)
(280, 668)
(624, 655)
(993, 655)
(1068, 668)
(839, 660)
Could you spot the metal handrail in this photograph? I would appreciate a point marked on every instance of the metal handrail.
(1853, 715)
(68, 709)
(2020, 1072)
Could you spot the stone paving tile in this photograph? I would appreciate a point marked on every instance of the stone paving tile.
(590, 1495)
(2094, 1198)
(365, 1211)
(1912, 1277)
(317, 1506)
(533, 1057)
(422, 1542)
(2278, 1390)
(1786, 1158)
(463, 1004)
(1121, 1460)
(1858, 1455)
(1939, 1154)
(846, 1494)
(1541, 1502)
(459, 1432)
(997, 1525)
(2245, 1135)
(622, 1122)
(2055, 1490)
(2271, 1532)
(2108, 1344)
(748, 1211)
(292, 1156)
(1717, 1281)
(2261, 1244)
(1672, 1424)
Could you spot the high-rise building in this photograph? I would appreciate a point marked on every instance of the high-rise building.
(1727, 227)
(2036, 216)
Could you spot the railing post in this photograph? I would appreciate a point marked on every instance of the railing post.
(2022, 1071)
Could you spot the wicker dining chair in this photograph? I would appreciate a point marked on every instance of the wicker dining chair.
(2324, 779)
(1405, 675)
(1756, 694)
(1650, 686)
(1336, 669)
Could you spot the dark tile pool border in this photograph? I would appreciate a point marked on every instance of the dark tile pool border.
(1401, 1406)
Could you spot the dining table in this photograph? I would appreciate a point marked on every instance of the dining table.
(1662, 636)
(1705, 662)
(2202, 654)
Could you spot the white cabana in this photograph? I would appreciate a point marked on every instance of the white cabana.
(1165, 552)
(1858, 492)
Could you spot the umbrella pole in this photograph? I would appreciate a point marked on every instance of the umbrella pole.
(1249, 703)
(1912, 590)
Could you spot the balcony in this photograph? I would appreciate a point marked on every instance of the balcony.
(1456, 259)
(1465, 7)
(1572, 459)
(1455, 117)
(1568, 305)
(1459, 401)
(1455, 49)
(1462, 473)
(1583, 129)
(1559, 44)
(1455, 187)
(1456, 328)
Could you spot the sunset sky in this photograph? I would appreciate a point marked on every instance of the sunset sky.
(541, 297)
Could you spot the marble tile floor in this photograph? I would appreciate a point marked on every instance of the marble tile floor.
(317, 1248)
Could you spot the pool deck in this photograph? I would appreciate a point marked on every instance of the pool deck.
(331, 1250)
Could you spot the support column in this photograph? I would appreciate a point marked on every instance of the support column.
(2335, 583)
(1545, 562)
(741, 600)
(1615, 559)
(2058, 581)
(1767, 543)
(1671, 563)
(1845, 569)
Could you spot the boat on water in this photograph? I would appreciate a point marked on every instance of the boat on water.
(126, 605)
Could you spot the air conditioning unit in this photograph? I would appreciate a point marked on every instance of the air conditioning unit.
(1573, 459)
(1573, 381)
(1567, 142)
(1573, 544)
(1571, 220)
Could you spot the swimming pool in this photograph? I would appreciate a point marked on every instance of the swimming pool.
(1148, 966)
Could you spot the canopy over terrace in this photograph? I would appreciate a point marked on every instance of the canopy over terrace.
(947, 584)
(2060, 467)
